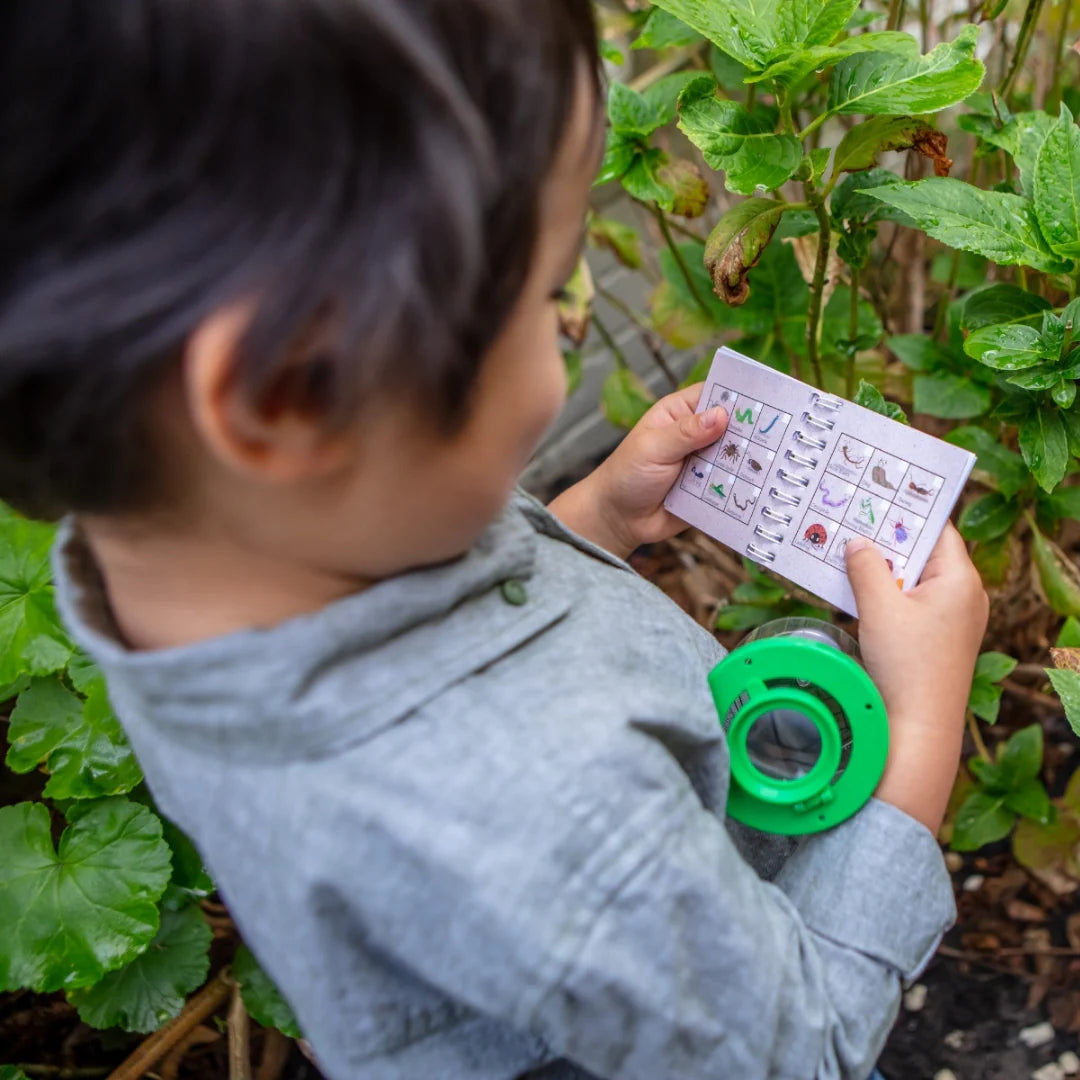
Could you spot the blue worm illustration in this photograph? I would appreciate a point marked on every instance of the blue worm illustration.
(766, 430)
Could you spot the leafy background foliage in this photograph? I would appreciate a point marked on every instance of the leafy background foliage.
(792, 165)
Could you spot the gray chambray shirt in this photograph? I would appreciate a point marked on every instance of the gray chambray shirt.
(474, 829)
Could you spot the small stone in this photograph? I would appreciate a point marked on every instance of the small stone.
(974, 883)
(954, 861)
(1052, 1071)
(1037, 1035)
(915, 998)
(954, 1040)
(1070, 1063)
(945, 1074)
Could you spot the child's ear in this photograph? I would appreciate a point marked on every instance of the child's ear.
(276, 439)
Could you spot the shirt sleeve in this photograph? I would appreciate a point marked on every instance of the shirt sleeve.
(697, 968)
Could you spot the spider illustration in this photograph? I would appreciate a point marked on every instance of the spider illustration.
(849, 459)
(816, 534)
(731, 452)
(919, 490)
(900, 531)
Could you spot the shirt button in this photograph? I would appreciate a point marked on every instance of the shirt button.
(513, 592)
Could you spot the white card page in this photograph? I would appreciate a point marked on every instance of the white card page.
(799, 472)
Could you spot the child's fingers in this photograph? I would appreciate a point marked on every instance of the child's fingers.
(948, 557)
(675, 406)
(871, 579)
(671, 442)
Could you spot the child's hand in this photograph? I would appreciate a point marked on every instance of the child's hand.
(620, 505)
(920, 649)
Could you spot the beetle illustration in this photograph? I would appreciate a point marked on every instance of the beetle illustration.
(755, 465)
(816, 534)
(848, 458)
(900, 531)
(731, 452)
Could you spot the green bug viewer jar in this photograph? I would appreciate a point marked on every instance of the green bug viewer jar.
(806, 727)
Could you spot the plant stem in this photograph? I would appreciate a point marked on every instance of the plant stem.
(896, 14)
(662, 221)
(814, 125)
(751, 97)
(605, 334)
(1059, 58)
(946, 298)
(853, 333)
(817, 286)
(680, 228)
(1023, 41)
(239, 1039)
(976, 736)
(648, 334)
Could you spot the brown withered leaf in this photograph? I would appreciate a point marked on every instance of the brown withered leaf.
(691, 190)
(1066, 659)
(933, 144)
(575, 310)
(736, 244)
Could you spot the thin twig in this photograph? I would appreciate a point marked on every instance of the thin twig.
(662, 221)
(1023, 41)
(1032, 697)
(896, 14)
(976, 736)
(275, 1055)
(239, 1039)
(1059, 58)
(853, 333)
(208, 1000)
(648, 334)
(817, 286)
(605, 335)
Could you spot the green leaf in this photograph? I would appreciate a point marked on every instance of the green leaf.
(737, 243)
(619, 154)
(870, 397)
(994, 666)
(1058, 575)
(31, 639)
(756, 32)
(663, 31)
(82, 744)
(951, 397)
(151, 990)
(10, 1072)
(1044, 447)
(610, 52)
(1041, 377)
(572, 361)
(1021, 757)
(1003, 466)
(663, 95)
(1064, 394)
(744, 145)
(1057, 186)
(1069, 634)
(629, 112)
(984, 700)
(988, 517)
(1066, 685)
(1047, 847)
(994, 558)
(642, 181)
(1071, 420)
(795, 67)
(622, 240)
(1063, 503)
(1002, 303)
(758, 592)
(83, 672)
(743, 616)
(918, 352)
(992, 223)
(1008, 346)
(851, 199)
(74, 913)
(261, 997)
(982, 819)
(690, 192)
(625, 398)
(889, 84)
(693, 257)
(1030, 800)
(860, 146)
(682, 325)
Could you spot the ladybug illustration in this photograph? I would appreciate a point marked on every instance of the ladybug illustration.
(816, 534)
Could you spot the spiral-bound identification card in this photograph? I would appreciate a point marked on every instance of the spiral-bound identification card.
(798, 473)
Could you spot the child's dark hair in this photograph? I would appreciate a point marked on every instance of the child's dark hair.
(370, 165)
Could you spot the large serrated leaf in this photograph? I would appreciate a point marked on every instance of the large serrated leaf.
(1056, 188)
(744, 145)
(737, 243)
(870, 397)
(951, 397)
(663, 31)
(261, 997)
(996, 224)
(1058, 575)
(1002, 303)
(888, 84)
(32, 641)
(1044, 446)
(791, 69)
(83, 747)
(1004, 467)
(151, 990)
(756, 32)
(630, 113)
(1008, 346)
(72, 913)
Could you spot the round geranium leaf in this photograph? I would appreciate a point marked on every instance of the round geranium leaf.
(73, 912)
(261, 997)
(150, 991)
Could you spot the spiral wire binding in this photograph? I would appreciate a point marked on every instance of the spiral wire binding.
(811, 418)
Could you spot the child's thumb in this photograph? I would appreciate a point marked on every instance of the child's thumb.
(871, 579)
(675, 441)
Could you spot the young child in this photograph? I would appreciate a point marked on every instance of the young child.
(277, 333)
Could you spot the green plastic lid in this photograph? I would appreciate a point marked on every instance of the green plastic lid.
(807, 731)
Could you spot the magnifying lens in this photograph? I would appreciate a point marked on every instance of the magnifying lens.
(806, 727)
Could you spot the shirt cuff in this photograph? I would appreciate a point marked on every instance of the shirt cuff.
(876, 883)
